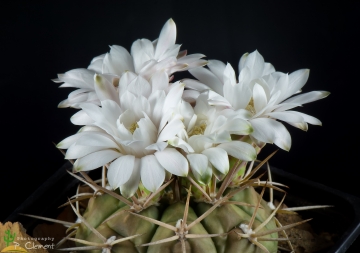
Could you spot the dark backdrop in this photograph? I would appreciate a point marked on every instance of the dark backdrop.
(41, 38)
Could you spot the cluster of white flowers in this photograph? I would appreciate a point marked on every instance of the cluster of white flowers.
(141, 126)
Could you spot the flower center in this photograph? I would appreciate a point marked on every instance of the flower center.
(133, 127)
(250, 107)
(198, 130)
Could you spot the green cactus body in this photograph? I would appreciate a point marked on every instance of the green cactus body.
(227, 217)
(221, 220)
(171, 216)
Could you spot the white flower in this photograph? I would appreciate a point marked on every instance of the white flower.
(207, 140)
(146, 58)
(262, 92)
(132, 137)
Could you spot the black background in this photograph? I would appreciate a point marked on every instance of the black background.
(40, 39)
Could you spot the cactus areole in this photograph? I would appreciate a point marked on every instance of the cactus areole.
(178, 156)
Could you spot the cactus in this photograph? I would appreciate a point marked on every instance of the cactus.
(9, 238)
(178, 159)
(222, 219)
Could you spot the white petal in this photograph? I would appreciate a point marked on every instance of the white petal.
(205, 178)
(260, 99)
(81, 118)
(93, 111)
(229, 75)
(173, 162)
(96, 63)
(172, 51)
(76, 151)
(205, 76)
(170, 130)
(190, 96)
(309, 119)
(286, 116)
(282, 136)
(141, 106)
(229, 84)
(255, 62)
(152, 173)
(117, 61)
(110, 110)
(125, 81)
(297, 80)
(198, 162)
(97, 139)
(268, 68)
(240, 150)
(159, 146)
(218, 100)
(142, 50)
(166, 39)
(95, 160)
(127, 100)
(217, 67)
(130, 187)
(179, 143)
(120, 170)
(67, 142)
(195, 85)
(159, 81)
(79, 78)
(217, 137)
(284, 107)
(270, 131)
(174, 96)
(156, 100)
(241, 64)
(104, 89)
(218, 158)
(308, 97)
(140, 87)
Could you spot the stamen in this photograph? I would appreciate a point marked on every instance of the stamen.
(250, 107)
(133, 127)
(198, 130)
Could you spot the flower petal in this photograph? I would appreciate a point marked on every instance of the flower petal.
(104, 89)
(205, 76)
(120, 170)
(170, 130)
(218, 68)
(173, 161)
(199, 163)
(95, 160)
(130, 187)
(218, 158)
(166, 39)
(117, 61)
(309, 119)
(174, 96)
(142, 50)
(81, 119)
(152, 173)
(76, 151)
(308, 97)
(297, 80)
(240, 150)
(286, 116)
(259, 96)
(159, 81)
(270, 131)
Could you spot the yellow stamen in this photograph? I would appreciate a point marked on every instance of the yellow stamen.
(133, 127)
(198, 130)
(250, 107)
